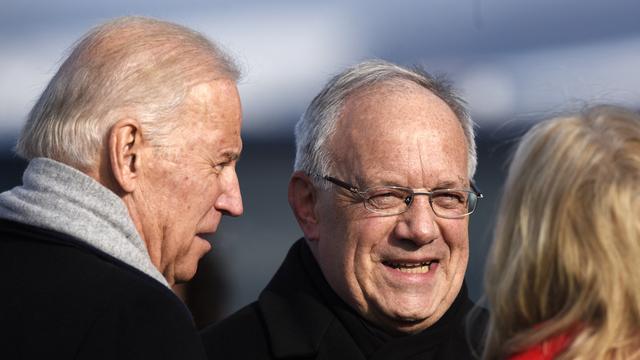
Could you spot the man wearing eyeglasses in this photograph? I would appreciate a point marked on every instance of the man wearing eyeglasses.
(382, 190)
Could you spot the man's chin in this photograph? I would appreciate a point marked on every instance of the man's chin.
(406, 323)
(411, 326)
(185, 274)
(186, 270)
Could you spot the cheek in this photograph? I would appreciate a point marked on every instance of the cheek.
(368, 238)
(371, 232)
(360, 234)
(336, 246)
(174, 184)
(456, 238)
(196, 189)
(188, 203)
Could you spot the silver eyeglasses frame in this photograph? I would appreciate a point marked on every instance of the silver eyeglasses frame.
(409, 194)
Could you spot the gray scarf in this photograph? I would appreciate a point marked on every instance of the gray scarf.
(58, 197)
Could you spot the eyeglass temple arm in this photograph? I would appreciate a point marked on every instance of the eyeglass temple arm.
(475, 189)
(343, 184)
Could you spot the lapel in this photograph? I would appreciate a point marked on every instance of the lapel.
(299, 325)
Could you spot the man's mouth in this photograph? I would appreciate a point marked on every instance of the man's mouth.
(411, 268)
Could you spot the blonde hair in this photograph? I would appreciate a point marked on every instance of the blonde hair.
(134, 65)
(567, 243)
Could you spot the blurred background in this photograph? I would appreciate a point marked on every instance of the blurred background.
(516, 62)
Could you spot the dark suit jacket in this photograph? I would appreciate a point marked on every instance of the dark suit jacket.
(62, 299)
(292, 319)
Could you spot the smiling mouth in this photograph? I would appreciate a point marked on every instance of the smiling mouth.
(411, 268)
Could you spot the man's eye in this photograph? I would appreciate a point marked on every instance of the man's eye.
(219, 167)
(454, 196)
(383, 194)
(449, 198)
(384, 199)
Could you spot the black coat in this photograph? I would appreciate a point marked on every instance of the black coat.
(62, 299)
(298, 316)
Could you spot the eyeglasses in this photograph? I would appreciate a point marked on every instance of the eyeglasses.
(394, 200)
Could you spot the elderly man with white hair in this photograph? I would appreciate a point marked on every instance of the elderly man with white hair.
(382, 190)
(132, 150)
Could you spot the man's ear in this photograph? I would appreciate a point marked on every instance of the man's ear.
(125, 145)
(302, 199)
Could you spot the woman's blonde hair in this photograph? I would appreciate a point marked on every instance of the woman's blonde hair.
(566, 253)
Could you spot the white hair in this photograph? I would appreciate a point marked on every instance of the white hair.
(139, 66)
(318, 123)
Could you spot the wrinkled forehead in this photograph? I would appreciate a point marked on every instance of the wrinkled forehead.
(403, 132)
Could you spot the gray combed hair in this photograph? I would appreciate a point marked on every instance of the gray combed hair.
(318, 123)
(130, 66)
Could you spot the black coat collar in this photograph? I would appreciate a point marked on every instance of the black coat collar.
(300, 321)
(295, 318)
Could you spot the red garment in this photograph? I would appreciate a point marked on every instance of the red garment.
(547, 350)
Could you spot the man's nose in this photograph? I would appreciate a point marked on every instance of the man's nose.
(230, 200)
(418, 224)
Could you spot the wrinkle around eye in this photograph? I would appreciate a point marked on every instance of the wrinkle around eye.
(219, 167)
(228, 160)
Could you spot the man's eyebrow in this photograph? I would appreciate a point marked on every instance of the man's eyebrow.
(450, 185)
(230, 155)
